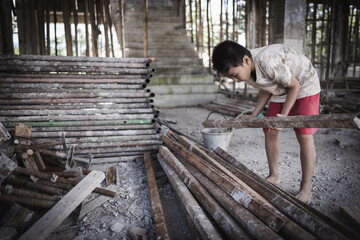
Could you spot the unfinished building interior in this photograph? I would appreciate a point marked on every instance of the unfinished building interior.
(113, 124)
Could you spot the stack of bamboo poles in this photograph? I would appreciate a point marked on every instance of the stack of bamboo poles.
(230, 107)
(99, 104)
(225, 200)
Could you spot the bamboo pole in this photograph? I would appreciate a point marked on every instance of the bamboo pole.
(86, 16)
(121, 28)
(191, 21)
(196, 214)
(66, 17)
(108, 18)
(159, 219)
(209, 33)
(201, 31)
(94, 30)
(221, 21)
(55, 31)
(344, 120)
(74, 6)
(47, 14)
(145, 22)
(272, 218)
(197, 25)
(234, 20)
(104, 22)
(222, 218)
(227, 19)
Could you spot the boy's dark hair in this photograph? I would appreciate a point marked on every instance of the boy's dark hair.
(228, 54)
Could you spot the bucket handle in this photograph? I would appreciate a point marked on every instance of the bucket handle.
(228, 129)
(215, 112)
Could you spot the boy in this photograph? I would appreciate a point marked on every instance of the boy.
(286, 77)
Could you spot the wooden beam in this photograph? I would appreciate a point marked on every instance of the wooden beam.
(54, 217)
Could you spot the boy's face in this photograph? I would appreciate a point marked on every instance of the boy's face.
(241, 73)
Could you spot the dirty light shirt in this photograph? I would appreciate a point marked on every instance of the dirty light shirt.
(274, 66)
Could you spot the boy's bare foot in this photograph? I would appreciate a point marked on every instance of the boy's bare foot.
(304, 196)
(274, 179)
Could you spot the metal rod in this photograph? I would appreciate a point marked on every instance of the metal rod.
(27, 201)
(198, 217)
(47, 189)
(76, 117)
(82, 123)
(343, 120)
(261, 210)
(230, 159)
(290, 230)
(250, 223)
(158, 213)
(222, 218)
(41, 175)
(27, 193)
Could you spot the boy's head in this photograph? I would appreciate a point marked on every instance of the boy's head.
(228, 54)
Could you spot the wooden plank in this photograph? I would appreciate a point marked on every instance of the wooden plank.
(54, 217)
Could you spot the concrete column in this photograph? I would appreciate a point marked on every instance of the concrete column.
(294, 24)
(276, 20)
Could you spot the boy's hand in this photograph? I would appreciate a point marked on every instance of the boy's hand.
(278, 129)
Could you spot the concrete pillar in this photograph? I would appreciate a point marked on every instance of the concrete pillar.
(294, 24)
(276, 21)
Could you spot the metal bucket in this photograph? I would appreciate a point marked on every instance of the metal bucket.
(217, 137)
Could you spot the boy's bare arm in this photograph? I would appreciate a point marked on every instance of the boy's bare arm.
(262, 100)
(293, 90)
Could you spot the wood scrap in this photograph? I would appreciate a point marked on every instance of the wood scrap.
(48, 223)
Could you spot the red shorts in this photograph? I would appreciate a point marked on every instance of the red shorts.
(303, 106)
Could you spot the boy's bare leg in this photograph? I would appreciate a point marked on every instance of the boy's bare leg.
(272, 146)
(307, 157)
